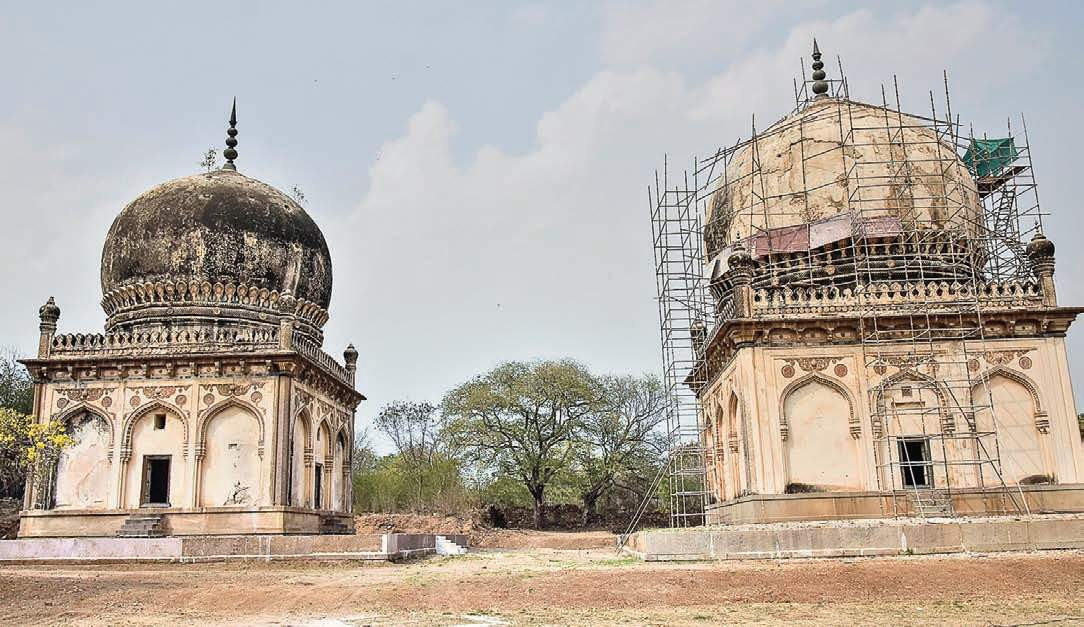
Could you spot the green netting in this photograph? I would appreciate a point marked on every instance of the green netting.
(988, 157)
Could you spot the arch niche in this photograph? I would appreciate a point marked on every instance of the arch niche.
(338, 476)
(82, 479)
(232, 438)
(155, 432)
(732, 481)
(1007, 403)
(300, 459)
(321, 481)
(820, 449)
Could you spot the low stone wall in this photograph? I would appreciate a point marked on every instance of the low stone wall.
(387, 547)
(861, 538)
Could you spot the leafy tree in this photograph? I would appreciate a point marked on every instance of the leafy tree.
(521, 419)
(16, 403)
(620, 443)
(16, 388)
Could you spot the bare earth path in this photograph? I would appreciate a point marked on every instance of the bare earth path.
(556, 586)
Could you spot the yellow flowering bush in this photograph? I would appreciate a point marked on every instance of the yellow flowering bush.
(27, 444)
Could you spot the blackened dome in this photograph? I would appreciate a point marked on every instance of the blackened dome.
(221, 227)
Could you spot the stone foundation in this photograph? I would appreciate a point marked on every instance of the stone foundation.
(179, 522)
(861, 538)
(769, 508)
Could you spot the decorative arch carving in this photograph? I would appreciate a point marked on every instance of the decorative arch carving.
(853, 423)
(1042, 420)
(325, 425)
(948, 423)
(132, 418)
(206, 415)
(68, 413)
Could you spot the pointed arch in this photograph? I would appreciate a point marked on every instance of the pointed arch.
(80, 475)
(853, 423)
(68, 413)
(817, 415)
(1042, 422)
(132, 418)
(880, 410)
(206, 415)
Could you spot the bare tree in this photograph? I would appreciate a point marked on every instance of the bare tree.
(210, 158)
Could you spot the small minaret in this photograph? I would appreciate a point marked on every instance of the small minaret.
(1041, 252)
(48, 314)
(740, 270)
(350, 356)
(230, 153)
(820, 86)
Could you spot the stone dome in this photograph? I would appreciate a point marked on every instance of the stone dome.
(218, 238)
(943, 195)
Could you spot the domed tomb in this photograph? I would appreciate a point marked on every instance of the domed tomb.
(839, 157)
(220, 246)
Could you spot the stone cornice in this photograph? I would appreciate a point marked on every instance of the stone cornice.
(132, 302)
(729, 336)
(88, 367)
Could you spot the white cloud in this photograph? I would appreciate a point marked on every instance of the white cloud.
(548, 252)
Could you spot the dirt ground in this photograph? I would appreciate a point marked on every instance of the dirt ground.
(537, 586)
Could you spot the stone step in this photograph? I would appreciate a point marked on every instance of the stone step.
(142, 526)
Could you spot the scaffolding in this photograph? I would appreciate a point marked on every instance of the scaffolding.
(930, 231)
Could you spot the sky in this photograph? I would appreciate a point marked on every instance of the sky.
(478, 168)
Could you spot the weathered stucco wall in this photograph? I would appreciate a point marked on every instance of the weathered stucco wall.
(780, 415)
(232, 463)
(84, 477)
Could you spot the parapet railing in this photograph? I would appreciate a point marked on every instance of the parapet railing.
(161, 342)
(896, 296)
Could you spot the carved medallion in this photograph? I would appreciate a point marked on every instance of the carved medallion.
(840, 370)
(788, 371)
(135, 401)
(1025, 362)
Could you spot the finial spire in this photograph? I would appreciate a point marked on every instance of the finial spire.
(230, 153)
(820, 86)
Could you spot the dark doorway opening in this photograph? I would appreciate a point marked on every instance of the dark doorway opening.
(155, 481)
(319, 485)
(915, 462)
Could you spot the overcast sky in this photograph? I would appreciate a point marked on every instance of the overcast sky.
(479, 168)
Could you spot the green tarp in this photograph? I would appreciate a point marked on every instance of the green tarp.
(988, 157)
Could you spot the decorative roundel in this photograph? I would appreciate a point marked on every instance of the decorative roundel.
(256, 397)
(973, 365)
(788, 371)
(880, 369)
(1025, 362)
(181, 399)
(208, 399)
(840, 370)
(61, 403)
(136, 401)
(107, 402)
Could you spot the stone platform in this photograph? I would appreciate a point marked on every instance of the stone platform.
(386, 547)
(853, 538)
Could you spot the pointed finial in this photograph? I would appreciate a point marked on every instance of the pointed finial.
(820, 86)
(230, 153)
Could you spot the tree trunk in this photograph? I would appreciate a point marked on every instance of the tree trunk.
(539, 508)
(588, 509)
